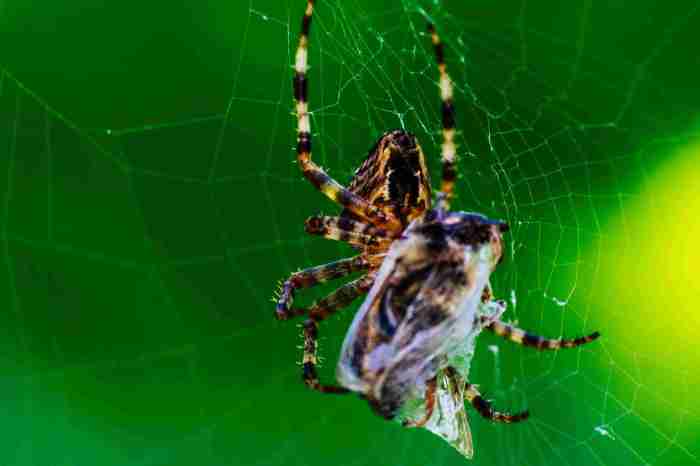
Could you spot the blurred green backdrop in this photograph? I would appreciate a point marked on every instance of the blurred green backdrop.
(149, 204)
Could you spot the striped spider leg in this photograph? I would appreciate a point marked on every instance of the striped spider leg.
(388, 190)
(525, 338)
(324, 183)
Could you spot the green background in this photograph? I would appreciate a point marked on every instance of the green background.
(149, 205)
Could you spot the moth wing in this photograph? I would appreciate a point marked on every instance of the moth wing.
(449, 419)
(432, 319)
(452, 423)
(421, 304)
(359, 337)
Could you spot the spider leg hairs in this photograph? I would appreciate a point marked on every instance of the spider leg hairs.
(426, 276)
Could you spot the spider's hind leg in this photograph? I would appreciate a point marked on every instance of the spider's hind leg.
(322, 309)
(311, 277)
(524, 338)
(349, 231)
(484, 407)
(309, 374)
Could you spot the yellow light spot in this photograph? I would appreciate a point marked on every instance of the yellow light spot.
(658, 277)
(647, 291)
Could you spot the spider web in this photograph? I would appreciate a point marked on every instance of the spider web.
(151, 202)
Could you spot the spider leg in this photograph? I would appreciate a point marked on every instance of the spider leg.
(311, 277)
(448, 148)
(524, 338)
(484, 408)
(429, 405)
(349, 231)
(340, 298)
(311, 171)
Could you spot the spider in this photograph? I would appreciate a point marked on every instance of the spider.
(425, 267)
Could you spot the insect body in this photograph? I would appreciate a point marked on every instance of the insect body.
(425, 270)
(422, 303)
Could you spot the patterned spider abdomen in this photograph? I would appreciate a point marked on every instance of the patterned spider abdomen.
(422, 304)
(394, 177)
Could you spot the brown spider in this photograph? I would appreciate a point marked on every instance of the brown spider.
(422, 263)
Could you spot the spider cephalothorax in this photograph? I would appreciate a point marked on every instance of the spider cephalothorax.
(426, 272)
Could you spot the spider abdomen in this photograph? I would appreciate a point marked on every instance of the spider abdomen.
(394, 177)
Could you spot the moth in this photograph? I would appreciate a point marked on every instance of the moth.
(413, 337)
(421, 307)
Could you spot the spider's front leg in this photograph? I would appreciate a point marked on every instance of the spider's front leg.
(482, 406)
(448, 148)
(322, 309)
(311, 277)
